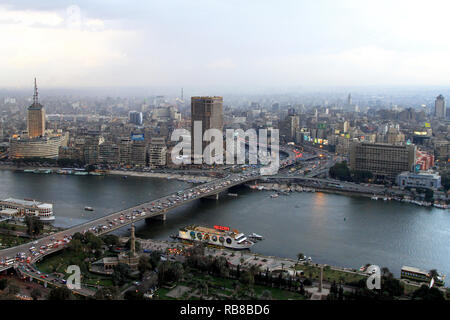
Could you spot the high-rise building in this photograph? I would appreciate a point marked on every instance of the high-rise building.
(292, 124)
(125, 151)
(383, 160)
(157, 152)
(208, 110)
(108, 153)
(139, 153)
(136, 117)
(440, 110)
(349, 100)
(346, 126)
(36, 116)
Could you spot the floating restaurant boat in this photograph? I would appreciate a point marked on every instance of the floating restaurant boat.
(17, 208)
(217, 236)
(419, 275)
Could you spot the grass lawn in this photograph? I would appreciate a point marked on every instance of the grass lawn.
(229, 284)
(162, 293)
(60, 260)
(12, 241)
(330, 275)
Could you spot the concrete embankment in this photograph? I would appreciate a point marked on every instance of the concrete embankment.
(177, 176)
(296, 187)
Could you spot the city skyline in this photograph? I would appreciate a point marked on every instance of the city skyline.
(260, 45)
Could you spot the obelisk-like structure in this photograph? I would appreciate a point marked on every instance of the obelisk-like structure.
(133, 243)
(321, 279)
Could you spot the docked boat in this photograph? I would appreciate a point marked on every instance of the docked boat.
(374, 198)
(19, 209)
(255, 236)
(217, 236)
(275, 195)
(88, 208)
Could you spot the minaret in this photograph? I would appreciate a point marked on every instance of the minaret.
(321, 279)
(133, 242)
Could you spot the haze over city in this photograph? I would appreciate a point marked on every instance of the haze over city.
(229, 152)
(243, 45)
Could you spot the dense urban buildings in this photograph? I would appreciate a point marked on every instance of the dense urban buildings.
(36, 142)
(383, 160)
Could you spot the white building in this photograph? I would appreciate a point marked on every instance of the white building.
(425, 179)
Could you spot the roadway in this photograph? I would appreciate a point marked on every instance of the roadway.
(151, 209)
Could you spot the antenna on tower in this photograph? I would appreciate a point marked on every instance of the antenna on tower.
(35, 95)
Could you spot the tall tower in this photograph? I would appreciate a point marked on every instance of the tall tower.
(209, 111)
(439, 107)
(36, 116)
(133, 243)
(349, 100)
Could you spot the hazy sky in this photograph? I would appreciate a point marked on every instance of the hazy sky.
(245, 43)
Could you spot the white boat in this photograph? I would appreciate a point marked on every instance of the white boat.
(374, 198)
(275, 195)
(18, 208)
(217, 236)
(255, 236)
(88, 208)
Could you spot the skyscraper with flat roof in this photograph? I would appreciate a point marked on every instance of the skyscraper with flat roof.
(208, 110)
(382, 159)
(36, 116)
(439, 107)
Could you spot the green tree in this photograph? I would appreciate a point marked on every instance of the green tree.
(36, 294)
(111, 240)
(3, 283)
(110, 293)
(120, 274)
(34, 226)
(61, 293)
(144, 265)
(428, 294)
(340, 171)
(133, 295)
(13, 289)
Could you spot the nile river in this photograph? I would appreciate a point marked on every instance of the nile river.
(333, 229)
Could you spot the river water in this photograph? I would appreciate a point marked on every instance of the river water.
(333, 229)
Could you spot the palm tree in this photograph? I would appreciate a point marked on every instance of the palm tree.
(433, 274)
(300, 256)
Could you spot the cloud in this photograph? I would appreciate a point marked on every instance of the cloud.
(221, 64)
(58, 48)
(370, 65)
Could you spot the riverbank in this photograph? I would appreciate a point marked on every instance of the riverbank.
(286, 266)
(284, 188)
(168, 176)
(177, 176)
